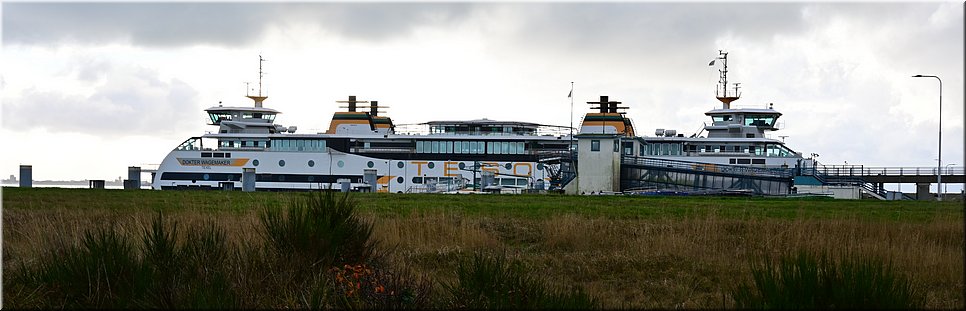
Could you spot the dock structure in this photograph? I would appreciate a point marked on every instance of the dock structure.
(872, 179)
(26, 176)
(602, 168)
(133, 180)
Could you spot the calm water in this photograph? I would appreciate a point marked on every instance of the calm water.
(79, 186)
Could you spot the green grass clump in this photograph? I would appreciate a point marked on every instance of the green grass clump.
(319, 230)
(107, 270)
(103, 271)
(806, 281)
(485, 282)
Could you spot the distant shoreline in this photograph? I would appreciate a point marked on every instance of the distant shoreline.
(69, 184)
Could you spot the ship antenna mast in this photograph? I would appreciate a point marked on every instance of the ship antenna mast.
(723, 82)
(261, 60)
(258, 98)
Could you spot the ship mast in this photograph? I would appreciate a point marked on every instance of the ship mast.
(721, 91)
(258, 98)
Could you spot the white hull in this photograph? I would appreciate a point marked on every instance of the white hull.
(395, 176)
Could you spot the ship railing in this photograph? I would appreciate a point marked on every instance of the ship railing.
(709, 167)
(382, 150)
(439, 187)
(860, 170)
(242, 148)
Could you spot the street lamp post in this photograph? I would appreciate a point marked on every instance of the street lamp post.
(939, 175)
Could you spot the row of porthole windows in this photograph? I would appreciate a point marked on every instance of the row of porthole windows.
(400, 164)
(281, 163)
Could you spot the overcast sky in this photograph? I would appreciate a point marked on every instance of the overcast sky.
(89, 89)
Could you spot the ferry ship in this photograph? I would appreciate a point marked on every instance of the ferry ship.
(362, 150)
(735, 135)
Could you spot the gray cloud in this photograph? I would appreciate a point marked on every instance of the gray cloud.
(227, 24)
(128, 101)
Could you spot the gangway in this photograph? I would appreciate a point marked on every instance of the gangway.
(871, 179)
(663, 174)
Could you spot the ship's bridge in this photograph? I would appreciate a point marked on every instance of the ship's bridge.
(241, 114)
(742, 122)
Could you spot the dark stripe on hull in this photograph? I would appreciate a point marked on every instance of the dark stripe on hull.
(295, 178)
(451, 157)
(210, 188)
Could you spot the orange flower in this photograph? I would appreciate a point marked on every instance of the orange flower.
(380, 289)
(338, 277)
(355, 275)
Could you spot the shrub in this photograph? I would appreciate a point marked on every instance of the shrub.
(102, 272)
(319, 231)
(485, 282)
(107, 271)
(811, 282)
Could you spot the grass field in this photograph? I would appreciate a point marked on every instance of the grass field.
(633, 252)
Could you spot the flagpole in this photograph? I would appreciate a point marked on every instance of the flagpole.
(571, 146)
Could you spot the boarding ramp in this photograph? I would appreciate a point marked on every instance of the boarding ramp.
(653, 174)
(871, 179)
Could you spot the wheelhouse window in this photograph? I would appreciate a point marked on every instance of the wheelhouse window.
(594, 145)
(760, 120)
(217, 117)
(722, 119)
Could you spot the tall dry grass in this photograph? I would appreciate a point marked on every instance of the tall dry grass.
(677, 263)
(638, 263)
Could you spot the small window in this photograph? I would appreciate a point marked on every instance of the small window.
(218, 155)
(594, 145)
(750, 135)
(732, 161)
(417, 180)
(745, 161)
(206, 154)
(228, 154)
(757, 161)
